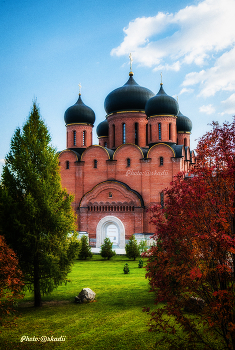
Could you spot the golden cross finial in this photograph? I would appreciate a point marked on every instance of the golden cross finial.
(80, 86)
(131, 60)
(161, 78)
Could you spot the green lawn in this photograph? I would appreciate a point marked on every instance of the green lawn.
(114, 321)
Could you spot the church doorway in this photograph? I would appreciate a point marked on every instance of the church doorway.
(113, 228)
(112, 234)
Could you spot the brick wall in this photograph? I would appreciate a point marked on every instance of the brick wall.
(86, 178)
(168, 129)
(132, 121)
(104, 141)
(83, 137)
(183, 139)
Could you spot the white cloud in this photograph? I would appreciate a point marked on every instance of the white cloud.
(175, 67)
(209, 109)
(230, 105)
(219, 77)
(2, 162)
(137, 36)
(201, 35)
(194, 78)
(190, 35)
(185, 90)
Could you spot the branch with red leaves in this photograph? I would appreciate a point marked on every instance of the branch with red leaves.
(194, 255)
(10, 280)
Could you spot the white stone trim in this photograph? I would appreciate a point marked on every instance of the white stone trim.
(101, 230)
(118, 251)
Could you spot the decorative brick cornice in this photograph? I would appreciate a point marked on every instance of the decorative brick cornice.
(162, 117)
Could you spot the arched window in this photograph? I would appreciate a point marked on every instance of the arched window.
(113, 135)
(162, 199)
(67, 164)
(185, 142)
(170, 131)
(95, 163)
(74, 137)
(159, 131)
(150, 132)
(136, 133)
(128, 162)
(105, 144)
(161, 160)
(123, 133)
(147, 141)
(84, 138)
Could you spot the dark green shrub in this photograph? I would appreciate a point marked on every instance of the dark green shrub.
(106, 249)
(141, 263)
(85, 251)
(132, 249)
(126, 269)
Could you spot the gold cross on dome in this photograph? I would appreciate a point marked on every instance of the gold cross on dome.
(161, 78)
(80, 87)
(131, 60)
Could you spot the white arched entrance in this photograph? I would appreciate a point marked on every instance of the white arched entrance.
(112, 233)
(113, 228)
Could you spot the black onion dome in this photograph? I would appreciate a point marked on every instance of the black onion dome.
(130, 97)
(161, 104)
(102, 129)
(183, 123)
(79, 113)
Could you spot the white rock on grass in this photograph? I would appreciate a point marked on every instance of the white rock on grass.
(85, 296)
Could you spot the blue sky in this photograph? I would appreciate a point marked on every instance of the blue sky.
(48, 47)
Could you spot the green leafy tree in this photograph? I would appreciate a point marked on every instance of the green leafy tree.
(132, 248)
(35, 212)
(106, 249)
(143, 246)
(85, 249)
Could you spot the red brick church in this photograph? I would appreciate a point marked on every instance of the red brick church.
(143, 142)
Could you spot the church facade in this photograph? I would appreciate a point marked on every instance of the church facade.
(144, 142)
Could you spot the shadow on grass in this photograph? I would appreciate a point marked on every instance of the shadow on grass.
(114, 321)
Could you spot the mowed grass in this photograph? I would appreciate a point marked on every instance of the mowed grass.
(114, 321)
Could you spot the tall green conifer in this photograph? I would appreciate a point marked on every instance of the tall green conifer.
(85, 249)
(106, 249)
(132, 249)
(36, 214)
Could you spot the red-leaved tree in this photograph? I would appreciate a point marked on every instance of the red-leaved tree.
(191, 267)
(10, 280)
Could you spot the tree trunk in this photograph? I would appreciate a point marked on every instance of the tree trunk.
(36, 282)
